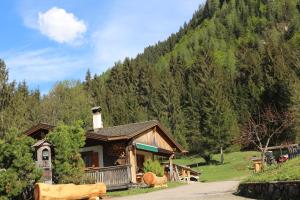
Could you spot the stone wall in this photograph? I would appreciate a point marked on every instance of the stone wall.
(271, 190)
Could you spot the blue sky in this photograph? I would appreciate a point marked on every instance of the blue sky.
(46, 41)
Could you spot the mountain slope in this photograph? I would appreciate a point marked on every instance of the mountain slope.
(232, 59)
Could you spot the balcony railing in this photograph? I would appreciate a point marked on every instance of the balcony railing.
(115, 177)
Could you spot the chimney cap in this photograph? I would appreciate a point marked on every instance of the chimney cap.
(96, 109)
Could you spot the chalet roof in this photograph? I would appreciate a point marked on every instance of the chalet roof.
(121, 132)
(193, 172)
(126, 130)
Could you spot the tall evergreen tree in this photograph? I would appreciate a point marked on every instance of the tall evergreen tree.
(216, 120)
(6, 91)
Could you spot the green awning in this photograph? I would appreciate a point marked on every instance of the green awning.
(146, 147)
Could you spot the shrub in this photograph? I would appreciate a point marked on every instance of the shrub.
(154, 167)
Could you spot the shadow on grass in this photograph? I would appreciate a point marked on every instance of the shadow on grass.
(199, 164)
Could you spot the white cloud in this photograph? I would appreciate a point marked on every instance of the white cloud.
(61, 26)
(43, 67)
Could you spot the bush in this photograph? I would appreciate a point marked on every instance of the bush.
(154, 167)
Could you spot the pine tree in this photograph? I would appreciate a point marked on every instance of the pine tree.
(68, 166)
(88, 80)
(18, 170)
(215, 118)
(6, 91)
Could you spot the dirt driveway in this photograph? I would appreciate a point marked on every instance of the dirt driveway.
(193, 191)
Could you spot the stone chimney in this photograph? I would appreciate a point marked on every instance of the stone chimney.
(97, 119)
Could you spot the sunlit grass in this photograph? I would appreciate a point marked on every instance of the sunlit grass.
(235, 167)
(282, 172)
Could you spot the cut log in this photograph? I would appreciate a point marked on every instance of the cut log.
(153, 181)
(44, 191)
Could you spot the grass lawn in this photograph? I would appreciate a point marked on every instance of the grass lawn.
(287, 171)
(235, 167)
(135, 191)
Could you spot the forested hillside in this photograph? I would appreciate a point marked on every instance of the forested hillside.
(231, 60)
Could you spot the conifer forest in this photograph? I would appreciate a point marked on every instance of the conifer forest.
(230, 61)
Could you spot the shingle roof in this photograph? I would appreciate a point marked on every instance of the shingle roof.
(40, 142)
(39, 126)
(126, 130)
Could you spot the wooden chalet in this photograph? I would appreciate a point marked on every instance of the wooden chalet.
(115, 155)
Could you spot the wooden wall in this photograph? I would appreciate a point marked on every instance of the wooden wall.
(155, 138)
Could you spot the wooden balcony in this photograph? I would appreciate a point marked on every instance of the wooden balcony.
(115, 177)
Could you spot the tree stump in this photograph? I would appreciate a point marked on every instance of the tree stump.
(153, 181)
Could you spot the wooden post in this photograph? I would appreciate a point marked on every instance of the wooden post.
(172, 178)
(222, 156)
(188, 176)
(132, 162)
(129, 173)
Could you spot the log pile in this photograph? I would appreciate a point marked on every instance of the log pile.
(68, 191)
(153, 181)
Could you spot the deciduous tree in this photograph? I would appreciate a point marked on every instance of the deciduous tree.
(261, 128)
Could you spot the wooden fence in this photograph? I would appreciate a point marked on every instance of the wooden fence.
(115, 177)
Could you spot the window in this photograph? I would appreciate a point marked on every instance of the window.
(45, 154)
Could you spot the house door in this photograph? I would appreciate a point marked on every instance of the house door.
(95, 159)
(140, 159)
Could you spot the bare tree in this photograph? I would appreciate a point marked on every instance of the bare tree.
(260, 129)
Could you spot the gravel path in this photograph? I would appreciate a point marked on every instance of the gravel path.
(193, 191)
